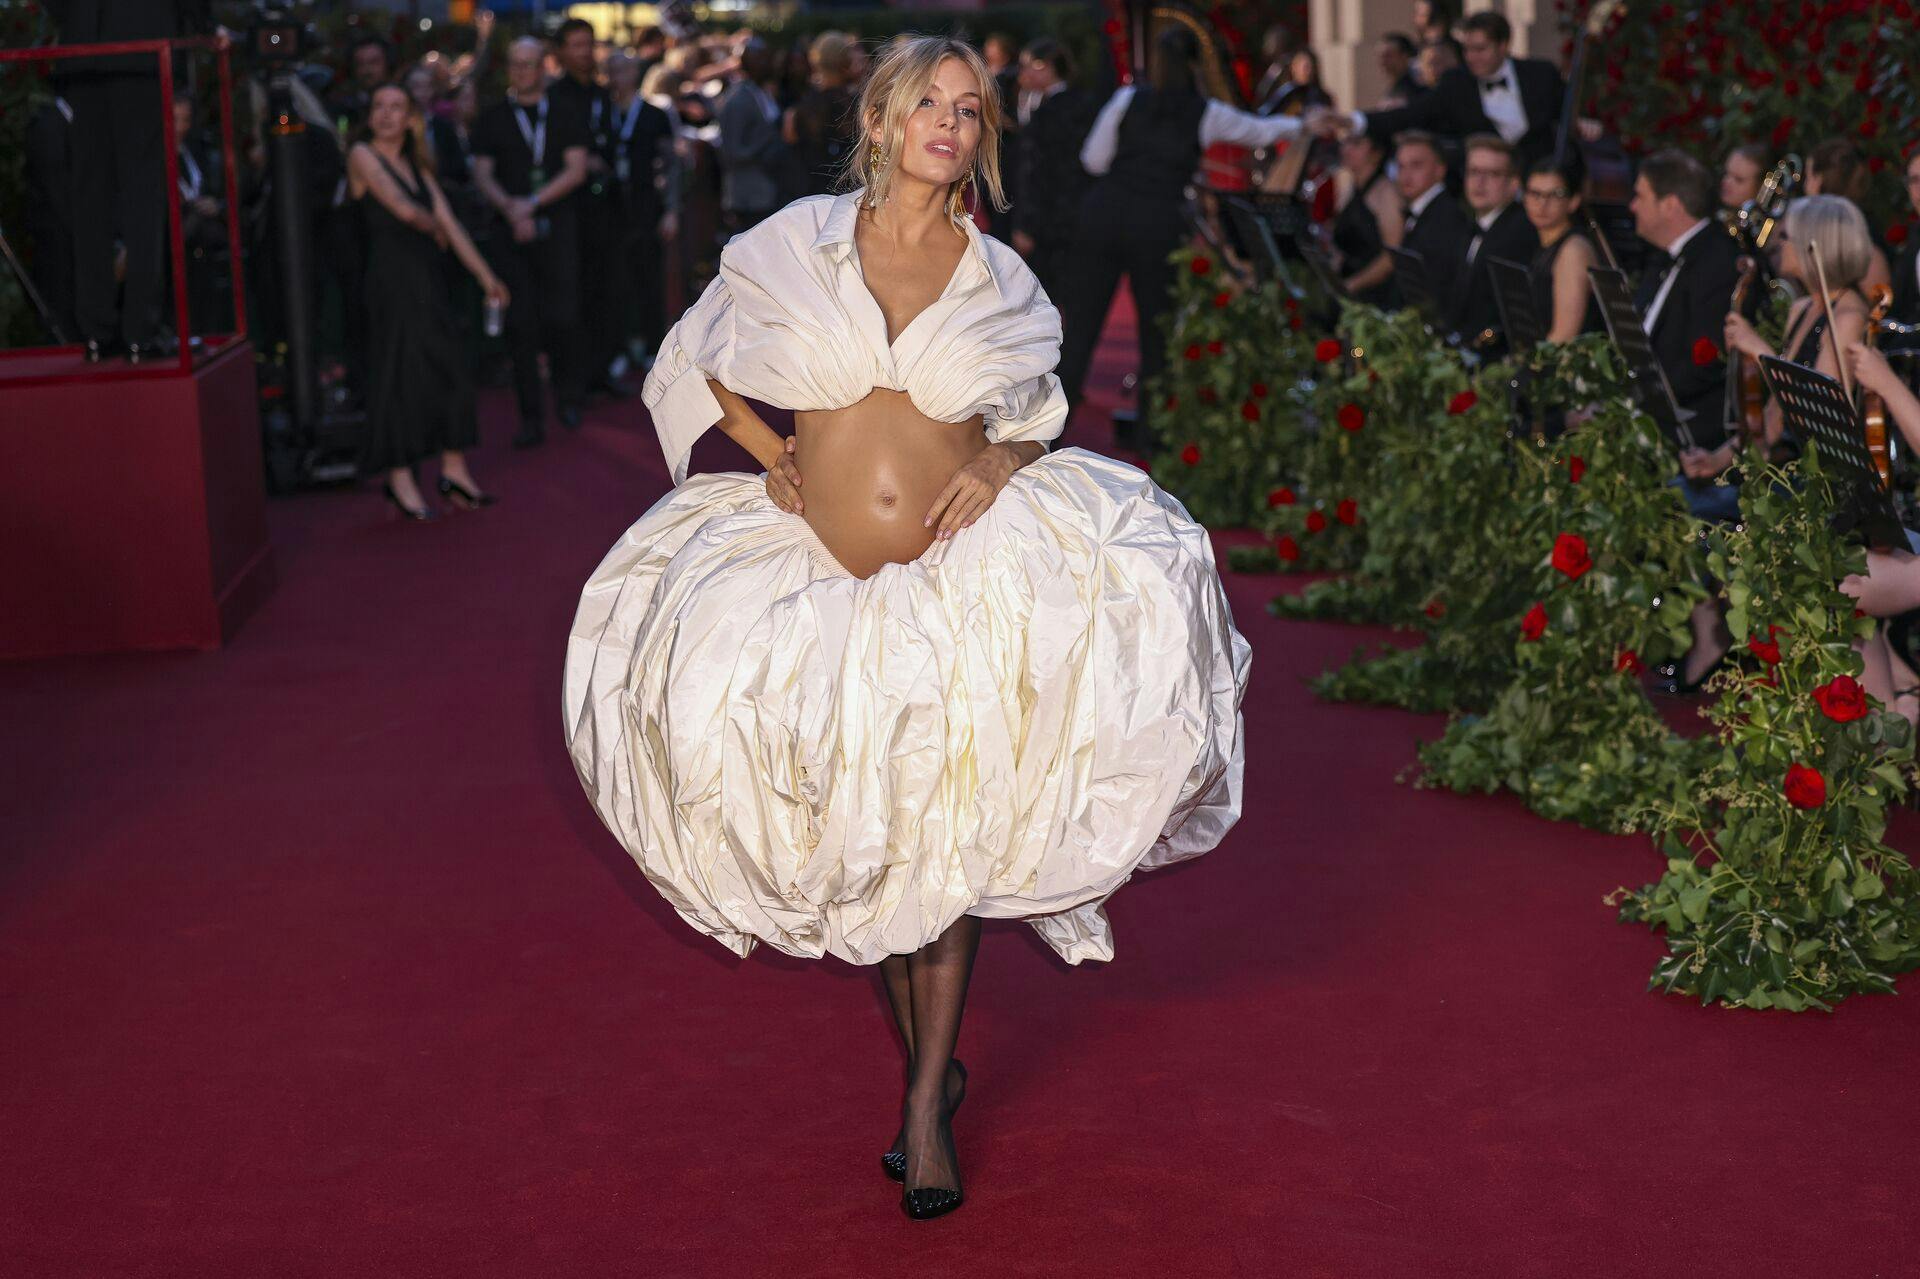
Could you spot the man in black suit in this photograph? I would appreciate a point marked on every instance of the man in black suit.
(1906, 263)
(1002, 55)
(1687, 288)
(119, 165)
(1500, 230)
(1436, 228)
(1047, 160)
(1396, 54)
(1519, 99)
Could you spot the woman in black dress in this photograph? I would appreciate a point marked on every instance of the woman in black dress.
(420, 384)
(1562, 297)
(1372, 220)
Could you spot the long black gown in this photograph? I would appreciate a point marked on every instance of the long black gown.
(420, 384)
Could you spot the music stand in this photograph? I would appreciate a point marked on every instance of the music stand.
(1255, 228)
(1513, 293)
(1321, 264)
(1817, 408)
(1646, 378)
(1410, 269)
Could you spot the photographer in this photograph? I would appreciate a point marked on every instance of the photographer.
(529, 157)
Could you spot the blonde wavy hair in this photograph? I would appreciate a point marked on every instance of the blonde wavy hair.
(898, 79)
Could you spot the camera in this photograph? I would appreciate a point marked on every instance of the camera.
(277, 38)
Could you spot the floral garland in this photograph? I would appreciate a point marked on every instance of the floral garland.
(1780, 890)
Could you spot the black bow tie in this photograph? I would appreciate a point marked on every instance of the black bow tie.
(1501, 82)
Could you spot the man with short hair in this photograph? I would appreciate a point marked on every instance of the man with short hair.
(1500, 230)
(1519, 99)
(1047, 161)
(529, 157)
(1436, 228)
(1396, 54)
(1687, 287)
(578, 88)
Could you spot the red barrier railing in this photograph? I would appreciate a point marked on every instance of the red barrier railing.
(176, 243)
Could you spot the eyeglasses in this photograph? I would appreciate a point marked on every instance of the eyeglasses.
(1543, 196)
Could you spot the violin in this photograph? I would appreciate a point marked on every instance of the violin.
(1746, 391)
(1873, 408)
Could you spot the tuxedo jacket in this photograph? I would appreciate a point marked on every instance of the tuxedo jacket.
(1441, 236)
(1511, 237)
(1906, 288)
(1049, 177)
(1696, 307)
(1452, 109)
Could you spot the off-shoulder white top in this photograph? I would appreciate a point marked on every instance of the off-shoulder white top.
(789, 321)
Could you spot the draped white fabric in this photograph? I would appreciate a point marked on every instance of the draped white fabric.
(1009, 726)
(790, 321)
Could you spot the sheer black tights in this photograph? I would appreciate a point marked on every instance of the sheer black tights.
(927, 991)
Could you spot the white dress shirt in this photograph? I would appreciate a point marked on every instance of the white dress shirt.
(1218, 123)
(1502, 106)
(1421, 202)
(1666, 285)
(1486, 221)
(790, 321)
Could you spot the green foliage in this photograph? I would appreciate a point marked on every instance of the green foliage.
(1769, 903)
(1226, 404)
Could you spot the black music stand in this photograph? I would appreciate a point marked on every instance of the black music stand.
(1513, 293)
(1321, 264)
(1410, 269)
(1817, 408)
(1257, 232)
(1647, 380)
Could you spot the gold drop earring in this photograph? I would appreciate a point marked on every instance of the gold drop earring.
(874, 161)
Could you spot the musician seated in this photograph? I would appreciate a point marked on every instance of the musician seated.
(1740, 176)
(1836, 167)
(1436, 228)
(1372, 219)
(1562, 294)
(1500, 230)
(1837, 231)
(1891, 584)
(1302, 88)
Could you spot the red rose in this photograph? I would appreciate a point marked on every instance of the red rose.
(1201, 265)
(1286, 548)
(1570, 555)
(1351, 417)
(1841, 699)
(1295, 323)
(1326, 350)
(1576, 468)
(1346, 512)
(1316, 521)
(1193, 351)
(1221, 299)
(1190, 454)
(1250, 411)
(1462, 402)
(1259, 390)
(1435, 610)
(1704, 352)
(1628, 662)
(1215, 347)
(1292, 305)
(1897, 233)
(1768, 649)
(1282, 496)
(1534, 624)
(1783, 132)
(1805, 787)
(1209, 396)
(1173, 402)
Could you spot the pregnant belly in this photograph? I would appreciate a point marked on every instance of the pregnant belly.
(870, 472)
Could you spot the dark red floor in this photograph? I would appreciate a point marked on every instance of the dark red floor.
(316, 962)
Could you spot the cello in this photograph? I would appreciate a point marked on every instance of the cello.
(1873, 409)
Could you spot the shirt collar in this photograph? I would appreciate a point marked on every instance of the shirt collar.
(836, 237)
(1426, 198)
(1486, 220)
(1680, 242)
(1505, 71)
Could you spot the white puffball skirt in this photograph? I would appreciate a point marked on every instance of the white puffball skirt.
(1008, 726)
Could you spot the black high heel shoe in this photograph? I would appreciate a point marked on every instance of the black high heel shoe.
(894, 1162)
(461, 495)
(423, 514)
(933, 1201)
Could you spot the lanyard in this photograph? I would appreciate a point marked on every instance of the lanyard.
(633, 116)
(537, 135)
(189, 175)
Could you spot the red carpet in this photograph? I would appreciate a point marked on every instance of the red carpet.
(317, 963)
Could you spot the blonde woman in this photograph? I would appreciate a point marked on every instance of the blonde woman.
(921, 671)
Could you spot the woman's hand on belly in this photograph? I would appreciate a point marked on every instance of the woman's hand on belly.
(971, 490)
(783, 481)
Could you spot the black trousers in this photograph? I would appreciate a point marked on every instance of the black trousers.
(600, 305)
(1112, 243)
(639, 272)
(543, 278)
(119, 186)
